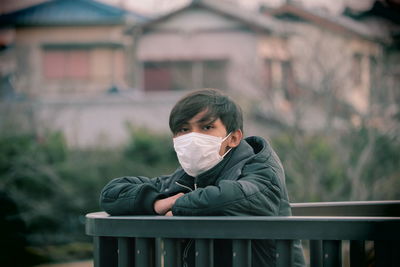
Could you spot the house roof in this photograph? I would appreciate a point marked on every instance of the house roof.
(340, 24)
(70, 12)
(251, 19)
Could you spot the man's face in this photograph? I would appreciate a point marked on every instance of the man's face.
(200, 124)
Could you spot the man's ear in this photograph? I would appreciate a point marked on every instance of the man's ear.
(235, 138)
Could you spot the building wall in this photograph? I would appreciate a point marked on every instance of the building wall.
(105, 49)
(105, 120)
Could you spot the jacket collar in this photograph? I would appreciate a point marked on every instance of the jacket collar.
(209, 177)
(230, 168)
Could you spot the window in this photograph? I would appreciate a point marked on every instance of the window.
(373, 71)
(288, 81)
(357, 69)
(267, 75)
(66, 64)
(183, 75)
(278, 75)
(157, 77)
(214, 73)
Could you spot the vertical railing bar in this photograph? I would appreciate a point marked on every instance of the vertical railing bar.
(204, 253)
(211, 252)
(387, 253)
(395, 249)
(157, 252)
(169, 252)
(357, 253)
(315, 253)
(144, 252)
(241, 252)
(178, 252)
(126, 252)
(105, 251)
(380, 250)
(332, 253)
(284, 253)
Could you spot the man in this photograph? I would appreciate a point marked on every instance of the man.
(221, 174)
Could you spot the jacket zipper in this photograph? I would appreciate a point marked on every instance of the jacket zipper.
(187, 187)
(186, 250)
(185, 253)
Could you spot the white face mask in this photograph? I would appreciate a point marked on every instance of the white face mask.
(197, 152)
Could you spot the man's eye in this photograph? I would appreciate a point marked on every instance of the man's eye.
(208, 127)
(183, 130)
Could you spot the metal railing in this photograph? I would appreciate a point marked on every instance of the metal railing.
(155, 240)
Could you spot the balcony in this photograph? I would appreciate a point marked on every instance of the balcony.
(333, 234)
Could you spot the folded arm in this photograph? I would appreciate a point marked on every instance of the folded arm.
(130, 196)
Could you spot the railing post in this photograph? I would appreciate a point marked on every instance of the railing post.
(357, 253)
(315, 253)
(284, 253)
(332, 253)
(387, 253)
(144, 252)
(241, 252)
(171, 252)
(204, 253)
(105, 251)
(126, 253)
(157, 252)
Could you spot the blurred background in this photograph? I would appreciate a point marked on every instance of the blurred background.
(86, 88)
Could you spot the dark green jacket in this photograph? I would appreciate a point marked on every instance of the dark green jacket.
(250, 181)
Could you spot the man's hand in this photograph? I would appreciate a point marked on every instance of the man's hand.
(169, 213)
(162, 206)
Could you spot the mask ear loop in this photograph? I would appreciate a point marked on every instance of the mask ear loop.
(229, 148)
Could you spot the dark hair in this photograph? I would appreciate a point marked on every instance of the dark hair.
(216, 104)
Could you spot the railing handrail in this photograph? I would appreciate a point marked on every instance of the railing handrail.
(348, 203)
(249, 227)
(348, 208)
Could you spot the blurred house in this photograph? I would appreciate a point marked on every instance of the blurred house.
(67, 59)
(68, 47)
(385, 16)
(332, 54)
(209, 44)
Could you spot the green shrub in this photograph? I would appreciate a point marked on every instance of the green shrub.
(55, 186)
(362, 164)
(312, 166)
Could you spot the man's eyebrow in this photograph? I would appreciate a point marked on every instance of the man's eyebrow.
(184, 124)
(206, 120)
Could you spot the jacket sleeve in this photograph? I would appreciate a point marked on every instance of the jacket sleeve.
(130, 196)
(256, 192)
